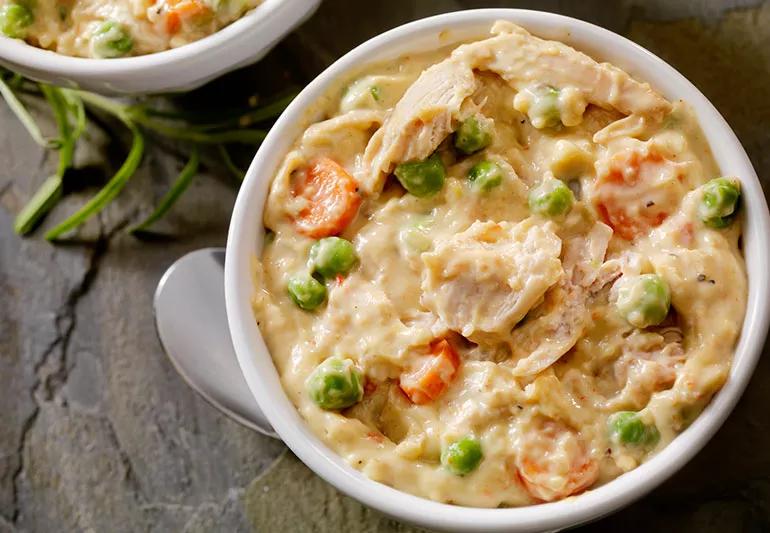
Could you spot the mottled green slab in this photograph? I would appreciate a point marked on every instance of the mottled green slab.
(289, 497)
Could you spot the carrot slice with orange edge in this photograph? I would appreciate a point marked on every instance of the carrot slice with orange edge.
(433, 376)
(553, 462)
(181, 10)
(331, 196)
(628, 194)
(173, 22)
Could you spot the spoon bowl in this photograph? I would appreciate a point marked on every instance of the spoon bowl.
(192, 293)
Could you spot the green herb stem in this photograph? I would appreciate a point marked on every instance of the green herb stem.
(267, 111)
(243, 136)
(78, 110)
(180, 184)
(206, 127)
(18, 109)
(271, 110)
(209, 120)
(44, 199)
(60, 109)
(50, 191)
(236, 172)
(109, 191)
(136, 115)
(105, 104)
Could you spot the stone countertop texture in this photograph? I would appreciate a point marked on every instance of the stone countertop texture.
(98, 432)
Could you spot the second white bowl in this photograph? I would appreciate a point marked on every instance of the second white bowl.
(239, 44)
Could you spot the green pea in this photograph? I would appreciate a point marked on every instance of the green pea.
(552, 198)
(111, 39)
(486, 175)
(473, 135)
(422, 178)
(627, 427)
(332, 256)
(643, 300)
(719, 202)
(543, 108)
(14, 20)
(462, 456)
(306, 291)
(415, 236)
(335, 384)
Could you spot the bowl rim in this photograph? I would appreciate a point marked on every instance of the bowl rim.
(30, 56)
(245, 240)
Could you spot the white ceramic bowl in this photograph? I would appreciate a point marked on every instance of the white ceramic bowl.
(239, 44)
(246, 236)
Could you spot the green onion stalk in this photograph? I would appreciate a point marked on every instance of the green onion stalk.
(69, 106)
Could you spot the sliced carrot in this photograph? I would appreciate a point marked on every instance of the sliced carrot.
(632, 194)
(552, 441)
(687, 234)
(188, 9)
(183, 10)
(431, 378)
(332, 199)
(173, 22)
(376, 436)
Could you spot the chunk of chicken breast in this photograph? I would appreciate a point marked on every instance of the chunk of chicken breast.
(482, 281)
(554, 326)
(420, 121)
(434, 104)
(524, 60)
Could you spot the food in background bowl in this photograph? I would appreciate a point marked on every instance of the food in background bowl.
(494, 270)
(109, 29)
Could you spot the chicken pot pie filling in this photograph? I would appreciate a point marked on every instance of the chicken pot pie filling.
(108, 29)
(500, 274)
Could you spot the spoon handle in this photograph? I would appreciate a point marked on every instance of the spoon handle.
(191, 322)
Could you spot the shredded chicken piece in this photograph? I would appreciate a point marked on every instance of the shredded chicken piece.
(556, 325)
(422, 119)
(554, 328)
(432, 107)
(523, 59)
(482, 281)
(329, 131)
(584, 257)
(648, 363)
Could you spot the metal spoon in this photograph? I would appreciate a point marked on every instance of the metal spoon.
(191, 321)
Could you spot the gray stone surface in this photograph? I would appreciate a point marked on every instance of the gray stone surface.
(98, 433)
